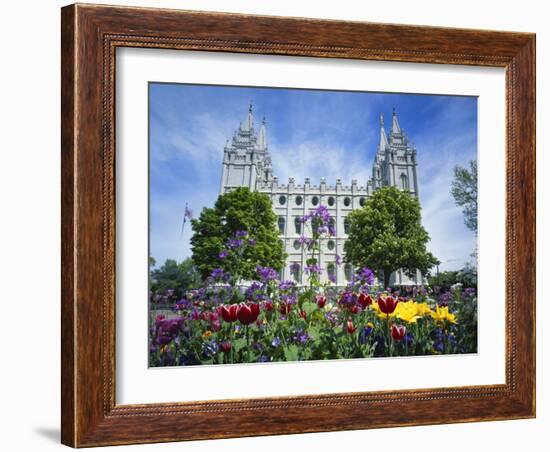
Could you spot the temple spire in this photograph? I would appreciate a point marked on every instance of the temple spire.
(395, 129)
(262, 136)
(248, 125)
(383, 139)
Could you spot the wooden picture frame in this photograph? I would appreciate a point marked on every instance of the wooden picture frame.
(90, 36)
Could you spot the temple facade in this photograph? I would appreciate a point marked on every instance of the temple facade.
(247, 163)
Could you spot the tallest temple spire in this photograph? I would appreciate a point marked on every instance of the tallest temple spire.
(395, 128)
(250, 117)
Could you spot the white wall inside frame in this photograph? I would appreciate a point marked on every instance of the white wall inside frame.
(138, 384)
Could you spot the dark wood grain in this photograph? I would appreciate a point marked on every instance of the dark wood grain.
(90, 36)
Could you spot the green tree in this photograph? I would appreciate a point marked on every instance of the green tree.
(464, 191)
(238, 210)
(171, 275)
(387, 234)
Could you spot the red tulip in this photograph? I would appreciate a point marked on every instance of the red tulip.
(355, 309)
(398, 332)
(351, 327)
(216, 325)
(303, 314)
(248, 313)
(268, 305)
(229, 312)
(364, 300)
(225, 346)
(321, 301)
(387, 305)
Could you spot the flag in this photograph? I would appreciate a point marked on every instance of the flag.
(187, 215)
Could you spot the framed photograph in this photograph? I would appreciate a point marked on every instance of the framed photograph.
(281, 225)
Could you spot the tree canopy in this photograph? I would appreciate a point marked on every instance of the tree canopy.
(387, 234)
(464, 191)
(173, 276)
(238, 210)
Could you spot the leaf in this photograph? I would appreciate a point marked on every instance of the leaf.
(239, 344)
(309, 307)
(291, 352)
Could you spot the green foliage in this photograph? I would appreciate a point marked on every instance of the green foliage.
(177, 277)
(238, 210)
(387, 234)
(464, 191)
(444, 280)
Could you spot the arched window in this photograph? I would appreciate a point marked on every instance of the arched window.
(404, 182)
(297, 244)
(282, 200)
(330, 245)
(281, 225)
(361, 201)
(347, 201)
(331, 272)
(295, 271)
(348, 272)
(298, 225)
(346, 225)
(332, 226)
(331, 201)
(315, 200)
(299, 200)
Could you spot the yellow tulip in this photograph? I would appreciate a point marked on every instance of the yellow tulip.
(442, 314)
(408, 312)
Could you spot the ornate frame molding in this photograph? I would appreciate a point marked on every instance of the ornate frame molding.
(90, 37)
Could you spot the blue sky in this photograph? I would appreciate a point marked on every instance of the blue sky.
(310, 133)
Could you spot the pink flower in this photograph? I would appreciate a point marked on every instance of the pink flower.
(398, 332)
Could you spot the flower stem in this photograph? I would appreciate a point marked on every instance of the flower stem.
(247, 344)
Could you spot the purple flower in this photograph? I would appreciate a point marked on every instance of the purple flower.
(209, 348)
(348, 299)
(332, 317)
(223, 254)
(266, 273)
(251, 242)
(288, 299)
(332, 278)
(445, 297)
(241, 234)
(217, 273)
(322, 213)
(234, 243)
(304, 241)
(285, 285)
(365, 333)
(301, 337)
(338, 259)
(314, 269)
(276, 342)
(254, 291)
(366, 275)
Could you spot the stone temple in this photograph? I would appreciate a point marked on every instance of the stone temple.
(247, 163)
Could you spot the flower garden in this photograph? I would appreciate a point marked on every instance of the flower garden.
(227, 320)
